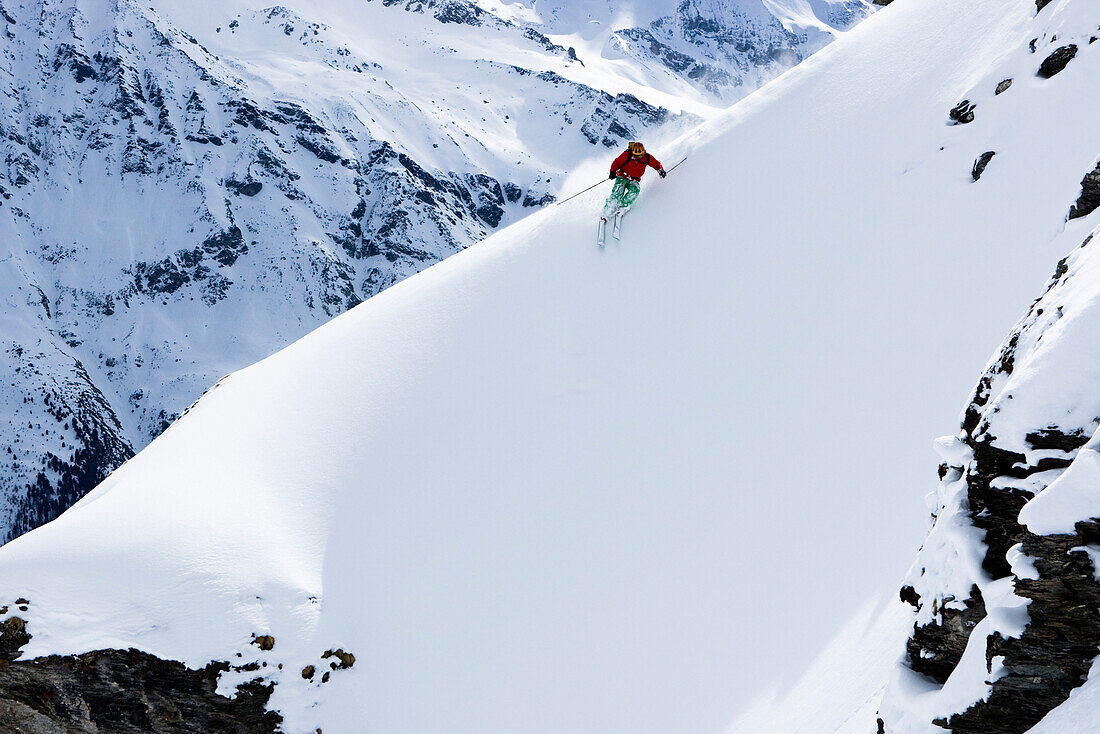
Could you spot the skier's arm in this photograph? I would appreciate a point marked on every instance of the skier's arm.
(656, 165)
(618, 163)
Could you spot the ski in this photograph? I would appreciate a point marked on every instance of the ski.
(600, 231)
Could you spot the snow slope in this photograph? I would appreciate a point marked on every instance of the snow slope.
(186, 187)
(541, 487)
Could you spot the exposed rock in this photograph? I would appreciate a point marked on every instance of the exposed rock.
(346, 659)
(1003, 86)
(264, 642)
(711, 77)
(245, 188)
(1040, 4)
(962, 113)
(61, 390)
(1048, 439)
(308, 671)
(1089, 201)
(13, 635)
(1057, 61)
(936, 649)
(980, 164)
(121, 692)
(1055, 650)
(724, 52)
(1055, 653)
(225, 247)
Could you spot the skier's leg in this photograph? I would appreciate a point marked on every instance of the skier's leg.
(614, 201)
(629, 194)
(609, 208)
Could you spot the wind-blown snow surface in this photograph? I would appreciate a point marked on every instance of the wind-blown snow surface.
(541, 487)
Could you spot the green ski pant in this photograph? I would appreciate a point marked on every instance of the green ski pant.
(623, 194)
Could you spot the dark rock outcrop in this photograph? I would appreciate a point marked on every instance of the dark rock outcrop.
(936, 649)
(1055, 650)
(343, 661)
(121, 692)
(72, 410)
(962, 113)
(264, 642)
(707, 75)
(1057, 61)
(980, 164)
(1003, 87)
(244, 188)
(1089, 201)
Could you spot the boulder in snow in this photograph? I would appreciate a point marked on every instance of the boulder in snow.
(1089, 200)
(1057, 61)
(963, 112)
(980, 164)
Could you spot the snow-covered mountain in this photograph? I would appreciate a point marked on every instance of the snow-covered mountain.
(187, 186)
(485, 501)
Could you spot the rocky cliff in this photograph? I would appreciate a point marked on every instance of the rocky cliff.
(1005, 589)
(1017, 601)
(121, 691)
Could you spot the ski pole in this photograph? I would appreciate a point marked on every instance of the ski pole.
(674, 167)
(574, 196)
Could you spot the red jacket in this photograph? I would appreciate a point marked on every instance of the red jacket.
(633, 167)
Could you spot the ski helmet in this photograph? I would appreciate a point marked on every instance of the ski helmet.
(637, 149)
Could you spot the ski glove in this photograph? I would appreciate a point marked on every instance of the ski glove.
(611, 175)
(662, 173)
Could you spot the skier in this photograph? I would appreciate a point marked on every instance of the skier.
(627, 171)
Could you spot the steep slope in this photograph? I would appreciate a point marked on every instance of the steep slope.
(546, 488)
(174, 171)
(1005, 587)
(1005, 591)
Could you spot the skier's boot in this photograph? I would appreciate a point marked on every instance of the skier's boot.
(619, 221)
(609, 210)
